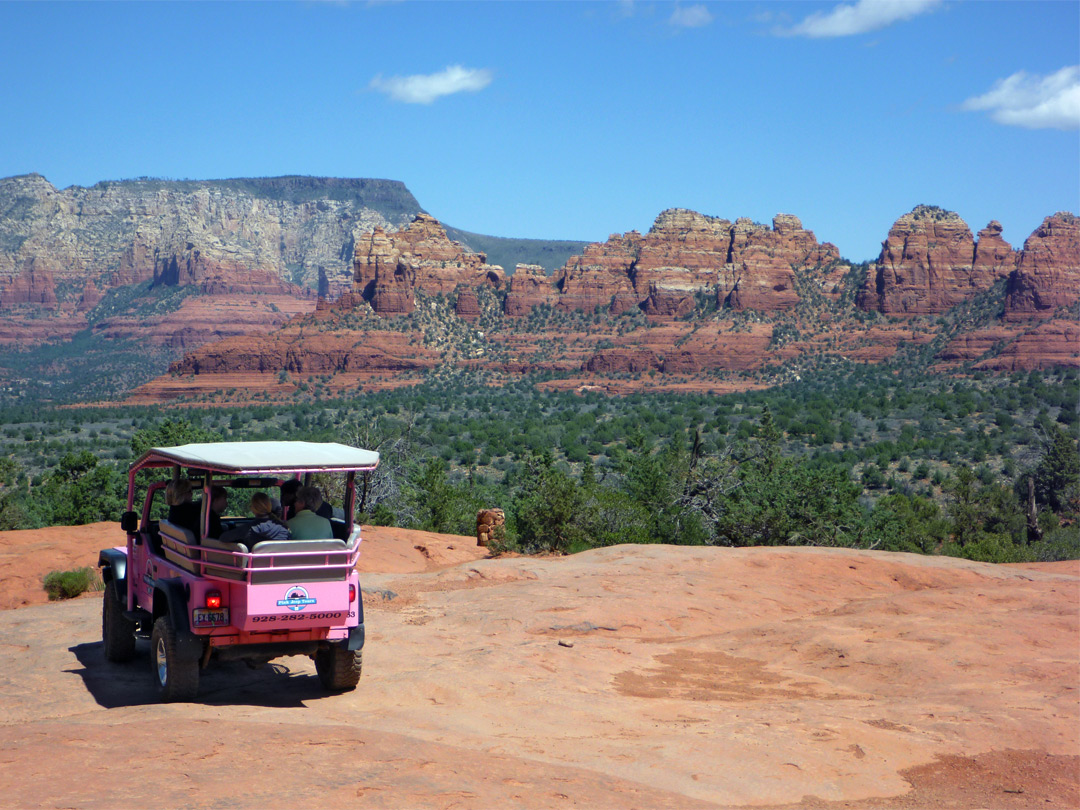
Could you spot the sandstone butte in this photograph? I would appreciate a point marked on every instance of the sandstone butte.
(623, 677)
(721, 305)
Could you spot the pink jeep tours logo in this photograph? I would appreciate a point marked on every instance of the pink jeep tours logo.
(296, 598)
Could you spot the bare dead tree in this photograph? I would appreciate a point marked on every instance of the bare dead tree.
(396, 443)
(709, 479)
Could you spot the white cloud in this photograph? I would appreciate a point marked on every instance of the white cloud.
(690, 16)
(1034, 102)
(424, 89)
(859, 18)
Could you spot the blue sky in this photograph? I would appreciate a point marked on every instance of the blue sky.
(569, 120)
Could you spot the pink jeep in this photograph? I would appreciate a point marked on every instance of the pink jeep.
(200, 598)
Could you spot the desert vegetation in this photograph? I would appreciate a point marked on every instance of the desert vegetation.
(984, 466)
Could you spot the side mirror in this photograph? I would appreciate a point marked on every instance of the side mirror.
(129, 522)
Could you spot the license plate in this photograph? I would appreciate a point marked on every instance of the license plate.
(204, 617)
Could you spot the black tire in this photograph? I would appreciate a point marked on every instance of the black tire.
(117, 632)
(177, 680)
(339, 669)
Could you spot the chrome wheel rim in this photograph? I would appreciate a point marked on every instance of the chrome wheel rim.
(162, 665)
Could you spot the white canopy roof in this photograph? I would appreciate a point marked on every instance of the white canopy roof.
(257, 458)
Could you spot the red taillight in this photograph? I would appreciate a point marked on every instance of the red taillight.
(213, 599)
(352, 593)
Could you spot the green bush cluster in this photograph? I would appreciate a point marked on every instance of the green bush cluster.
(849, 455)
(69, 584)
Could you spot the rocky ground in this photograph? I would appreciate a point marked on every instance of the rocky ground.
(636, 677)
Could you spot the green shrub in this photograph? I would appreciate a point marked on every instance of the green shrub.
(1058, 544)
(69, 584)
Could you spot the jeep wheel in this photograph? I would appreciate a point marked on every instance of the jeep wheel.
(177, 680)
(339, 669)
(117, 632)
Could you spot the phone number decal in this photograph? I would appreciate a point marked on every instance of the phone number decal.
(297, 617)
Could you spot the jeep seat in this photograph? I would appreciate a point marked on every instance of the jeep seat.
(173, 538)
(221, 565)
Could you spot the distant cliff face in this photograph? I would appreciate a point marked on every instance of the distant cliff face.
(235, 264)
(930, 262)
(684, 255)
(1048, 273)
(387, 268)
(58, 247)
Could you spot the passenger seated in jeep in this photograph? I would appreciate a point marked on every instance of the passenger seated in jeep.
(288, 497)
(267, 526)
(322, 508)
(307, 525)
(219, 502)
(182, 512)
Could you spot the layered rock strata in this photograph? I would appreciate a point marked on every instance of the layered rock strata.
(279, 240)
(686, 255)
(185, 231)
(388, 267)
(930, 262)
(1047, 276)
(529, 287)
(317, 354)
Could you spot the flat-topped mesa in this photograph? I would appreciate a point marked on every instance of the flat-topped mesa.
(388, 267)
(930, 262)
(746, 264)
(1047, 276)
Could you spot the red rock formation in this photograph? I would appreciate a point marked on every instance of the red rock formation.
(757, 281)
(994, 257)
(680, 257)
(760, 274)
(971, 346)
(665, 272)
(747, 265)
(684, 240)
(203, 319)
(33, 286)
(631, 359)
(388, 267)
(529, 287)
(315, 354)
(192, 267)
(600, 276)
(668, 302)
(90, 298)
(467, 305)
(1048, 274)
(717, 348)
(592, 286)
(796, 245)
(254, 235)
(393, 290)
(1051, 343)
(929, 263)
